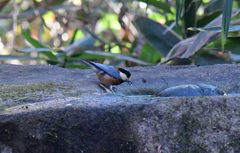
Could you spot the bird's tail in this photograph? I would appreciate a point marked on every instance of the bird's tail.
(89, 64)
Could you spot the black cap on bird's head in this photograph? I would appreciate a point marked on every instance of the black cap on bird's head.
(125, 75)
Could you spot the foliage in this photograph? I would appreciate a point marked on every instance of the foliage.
(127, 33)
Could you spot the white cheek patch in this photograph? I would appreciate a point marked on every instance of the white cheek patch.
(123, 76)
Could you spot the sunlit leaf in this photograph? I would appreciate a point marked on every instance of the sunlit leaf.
(226, 18)
(149, 54)
(153, 32)
(158, 4)
(109, 20)
(77, 35)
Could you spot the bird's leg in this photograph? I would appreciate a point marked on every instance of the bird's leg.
(107, 89)
(104, 87)
(111, 88)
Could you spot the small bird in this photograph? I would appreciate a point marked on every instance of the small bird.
(109, 75)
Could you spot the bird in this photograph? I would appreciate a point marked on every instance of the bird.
(109, 75)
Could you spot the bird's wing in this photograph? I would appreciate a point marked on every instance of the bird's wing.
(112, 71)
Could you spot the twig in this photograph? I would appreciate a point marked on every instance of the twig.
(14, 25)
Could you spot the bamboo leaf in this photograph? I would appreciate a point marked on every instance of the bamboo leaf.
(226, 18)
(190, 46)
(154, 33)
(205, 38)
(32, 41)
(215, 29)
(37, 44)
(180, 4)
(190, 16)
(29, 50)
(118, 56)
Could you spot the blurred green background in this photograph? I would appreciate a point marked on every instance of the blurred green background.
(120, 33)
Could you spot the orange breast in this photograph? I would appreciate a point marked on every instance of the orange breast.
(108, 80)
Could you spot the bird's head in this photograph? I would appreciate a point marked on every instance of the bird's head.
(125, 75)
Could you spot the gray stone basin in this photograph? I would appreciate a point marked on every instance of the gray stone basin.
(51, 109)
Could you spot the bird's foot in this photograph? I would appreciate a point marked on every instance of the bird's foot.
(113, 89)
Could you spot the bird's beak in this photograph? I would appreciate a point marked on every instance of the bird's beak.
(129, 82)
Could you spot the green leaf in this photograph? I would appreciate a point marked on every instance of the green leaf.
(215, 29)
(37, 44)
(32, 41)
(149, 54)
(180, 4)
(226, 18)
(232, 44)
(153, 32)
(158, 4)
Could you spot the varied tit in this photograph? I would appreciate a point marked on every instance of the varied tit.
(109, 75)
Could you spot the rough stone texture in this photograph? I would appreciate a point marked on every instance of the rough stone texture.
(191, 90)
(50, 109)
